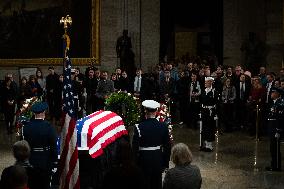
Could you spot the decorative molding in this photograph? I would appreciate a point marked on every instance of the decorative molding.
(47, 61)
(94, 47)
(95, 35)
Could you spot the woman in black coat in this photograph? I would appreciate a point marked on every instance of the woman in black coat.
(9, 103)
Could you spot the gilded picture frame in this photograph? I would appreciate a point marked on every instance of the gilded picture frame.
(94, 59)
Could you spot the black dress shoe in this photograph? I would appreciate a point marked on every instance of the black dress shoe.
(204, 149)
(208, 150)
(272, 169)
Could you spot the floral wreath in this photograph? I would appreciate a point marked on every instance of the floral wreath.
(125, 105)
(163, 115)
(24, 114)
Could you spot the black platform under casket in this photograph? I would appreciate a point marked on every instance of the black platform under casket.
(93, 170)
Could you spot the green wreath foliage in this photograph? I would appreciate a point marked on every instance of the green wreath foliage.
(125, 105)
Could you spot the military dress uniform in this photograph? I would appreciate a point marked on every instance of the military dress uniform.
(275, 130)
(151, 145)
(41, 137)
(209, 98)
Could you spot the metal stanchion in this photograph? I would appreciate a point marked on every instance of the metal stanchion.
(257, 123)
(200, 131)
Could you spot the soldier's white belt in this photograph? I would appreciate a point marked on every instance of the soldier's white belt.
(150, 148)
(271, 119)
(42, 149)
(209, 107)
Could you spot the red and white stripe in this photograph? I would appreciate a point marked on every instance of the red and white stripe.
(101, 129)
(69, 163)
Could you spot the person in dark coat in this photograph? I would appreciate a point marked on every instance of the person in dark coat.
(51, 84)
(14, 178)
(91, 84)
(182, 93)
(9, 103)
(208, 113)
(184, 175)
(21, 152)
(243, 89)
(149, 88)
(275, 128)
(194, 92)
(151, 146)
(167, 86)
(104, 89)
(57, 93)
(124, 82)
(42, 139)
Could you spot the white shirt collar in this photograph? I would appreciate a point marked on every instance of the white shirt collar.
(208, 89)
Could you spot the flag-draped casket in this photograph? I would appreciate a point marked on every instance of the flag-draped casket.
(97, 130)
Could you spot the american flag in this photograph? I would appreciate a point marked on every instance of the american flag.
(99, 129)
(69, 163)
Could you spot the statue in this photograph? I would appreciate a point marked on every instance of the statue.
(125, 53)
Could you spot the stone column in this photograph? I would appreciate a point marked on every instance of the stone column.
(274, 34)
(150, 35)
(232, 32)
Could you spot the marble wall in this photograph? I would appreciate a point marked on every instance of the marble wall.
(274, 34)
(260, 16)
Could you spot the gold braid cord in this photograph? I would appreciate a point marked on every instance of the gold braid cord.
(67, 39)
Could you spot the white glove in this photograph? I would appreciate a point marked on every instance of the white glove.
(277, 135)
(84, 95)
(54, 170)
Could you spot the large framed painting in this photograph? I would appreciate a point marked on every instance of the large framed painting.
(30, 33)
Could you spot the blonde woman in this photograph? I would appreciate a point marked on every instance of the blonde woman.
(183, 175)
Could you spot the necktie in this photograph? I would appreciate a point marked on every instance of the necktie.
(138, 84)
(242, 91)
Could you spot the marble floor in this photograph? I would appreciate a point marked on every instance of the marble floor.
(237, 162)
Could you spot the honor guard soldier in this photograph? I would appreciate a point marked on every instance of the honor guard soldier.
(208, 99)
(151, 145)
(275, 128)
(42, 139)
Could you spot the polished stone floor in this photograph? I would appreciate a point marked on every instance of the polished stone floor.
(238, 161)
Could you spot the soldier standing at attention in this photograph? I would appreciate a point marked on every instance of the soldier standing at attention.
(208, 112)
(275, 128)
(151, 145)
(41, 137)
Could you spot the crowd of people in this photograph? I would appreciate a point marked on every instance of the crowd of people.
(194, 91)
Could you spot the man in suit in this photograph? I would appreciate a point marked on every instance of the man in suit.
(269, 85)
(42, 138)
(167, 86)
(194, 93)
(151, 146)
(137, 82)
(91, 84)
(51, 84)
(243, 88)
(104, 90)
